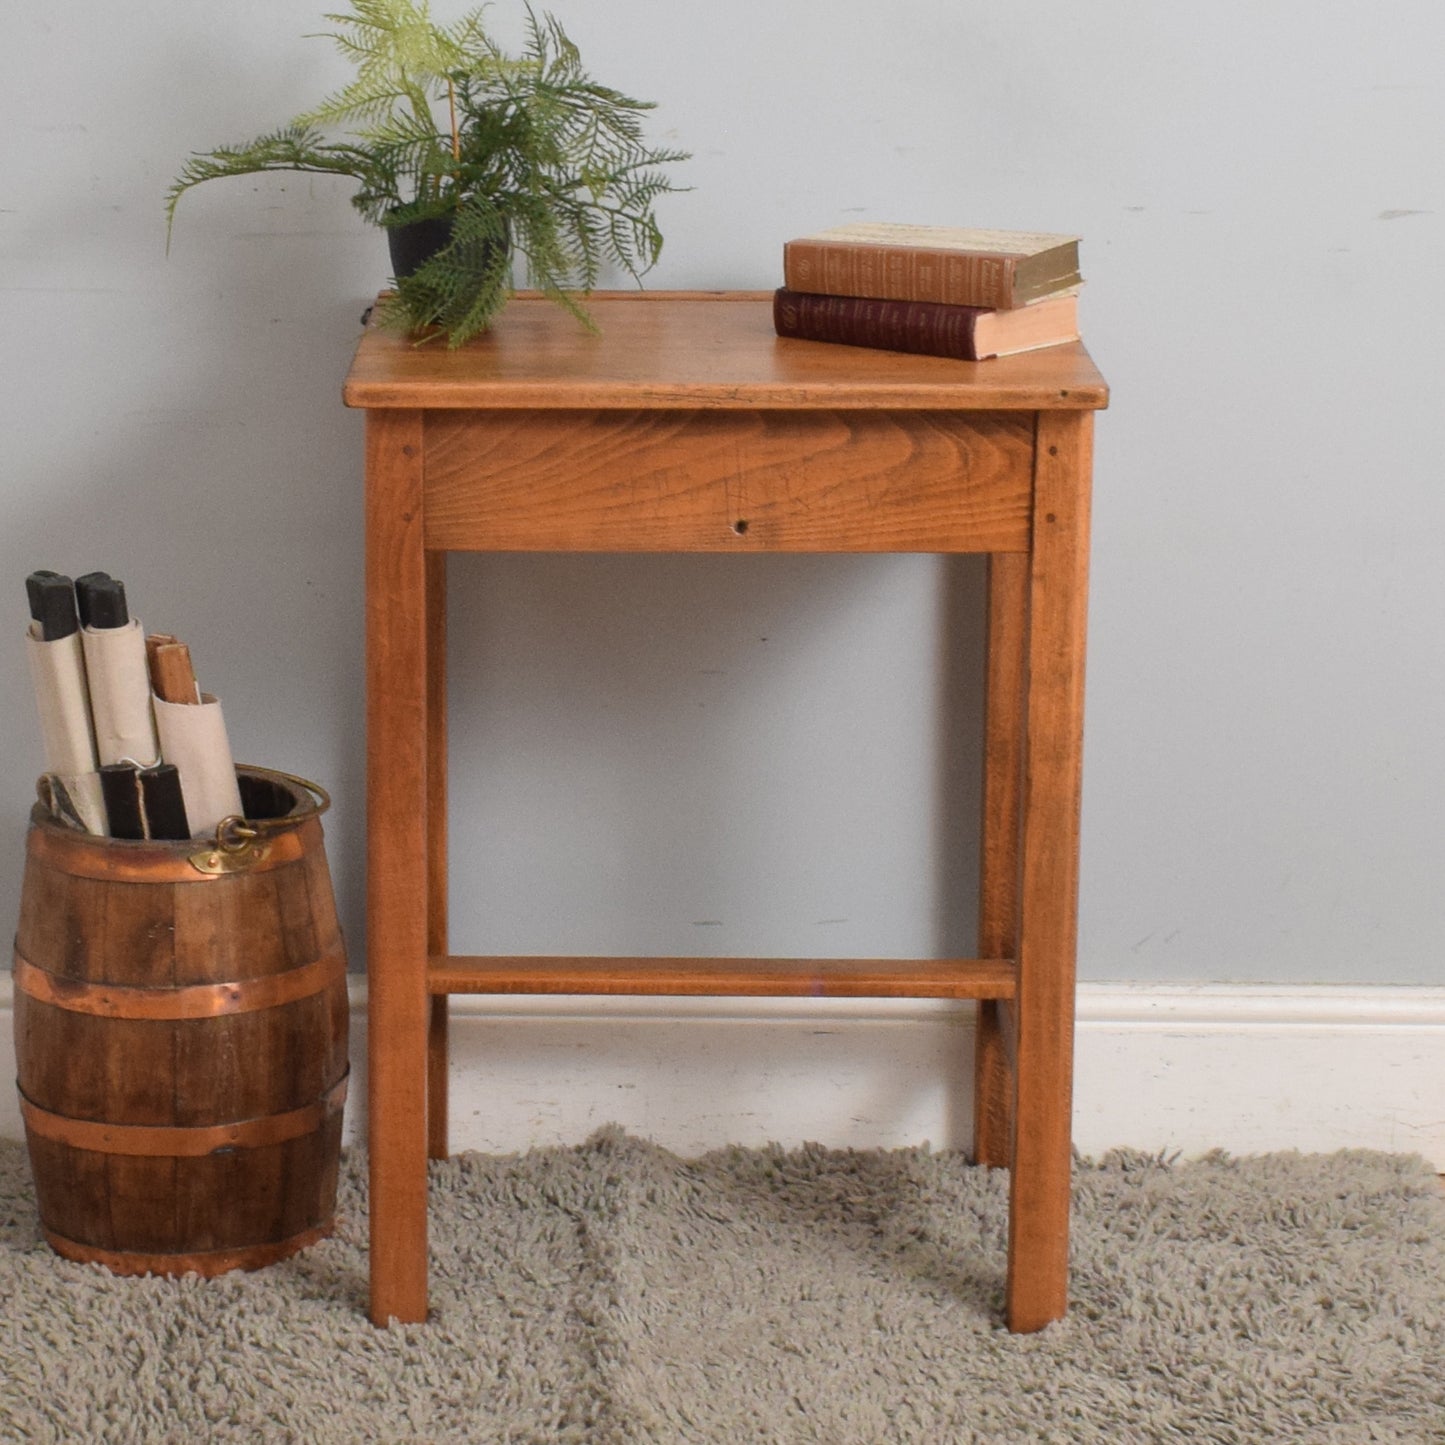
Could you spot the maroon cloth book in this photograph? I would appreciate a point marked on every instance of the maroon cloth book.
(928, 328)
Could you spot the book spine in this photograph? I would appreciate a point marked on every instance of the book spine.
(921, 327)
(900, 273)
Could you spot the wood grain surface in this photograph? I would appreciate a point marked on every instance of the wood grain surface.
(397, 887)
(436, 843)
(1049, 887)
(728, 977)
(697, 481)
(658, 350)
(1004, 687)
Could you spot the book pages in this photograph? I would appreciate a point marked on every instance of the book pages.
(193, 737)
(120, 694)
(945, 238)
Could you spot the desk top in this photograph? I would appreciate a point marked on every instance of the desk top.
(696, 350)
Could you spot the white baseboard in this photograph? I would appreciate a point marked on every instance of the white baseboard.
(1239, 1067)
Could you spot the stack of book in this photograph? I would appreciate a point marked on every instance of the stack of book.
(934, 290)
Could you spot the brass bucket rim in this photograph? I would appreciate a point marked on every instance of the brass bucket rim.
(311, 799)
(237, 845)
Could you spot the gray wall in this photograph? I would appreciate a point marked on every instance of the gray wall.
(771, 755)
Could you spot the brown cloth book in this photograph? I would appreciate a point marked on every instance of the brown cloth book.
(967, 333)
(954, 265)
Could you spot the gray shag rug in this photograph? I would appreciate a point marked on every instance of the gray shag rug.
(615, 1293)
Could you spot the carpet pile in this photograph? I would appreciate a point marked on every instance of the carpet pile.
(615, 1294)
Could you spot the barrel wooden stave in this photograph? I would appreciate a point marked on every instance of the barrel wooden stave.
(243, 925)
(94, 935)
(169, 1206)
(187, 1072)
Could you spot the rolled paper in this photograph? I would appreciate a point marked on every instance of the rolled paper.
(57, 668)
(58, 671)
(120, 693)
(54, 799)
(193, 737)
(77, 801)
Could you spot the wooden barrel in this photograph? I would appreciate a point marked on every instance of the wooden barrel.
(181, 1039)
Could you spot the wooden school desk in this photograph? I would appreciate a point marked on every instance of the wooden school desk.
(688, 426)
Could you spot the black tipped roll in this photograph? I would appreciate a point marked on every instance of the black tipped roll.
(52, 604)
(102, 600)
(165, 809)
(120, 787)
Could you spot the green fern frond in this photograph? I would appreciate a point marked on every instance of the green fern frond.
(292, 148)
(545, 165)
(399, 54)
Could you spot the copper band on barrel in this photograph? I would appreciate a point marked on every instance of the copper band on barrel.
(181, 1141)
(110, 860)
(207, 1262)
(189, 1001)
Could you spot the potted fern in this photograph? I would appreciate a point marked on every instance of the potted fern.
(532, 157)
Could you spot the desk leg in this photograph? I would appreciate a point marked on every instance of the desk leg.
(1008, 600)
(396, 873)
(1039, 1189)
(436, 827)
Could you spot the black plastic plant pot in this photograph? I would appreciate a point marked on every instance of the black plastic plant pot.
(415, 243)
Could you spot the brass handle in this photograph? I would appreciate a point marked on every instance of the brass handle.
(323, 798)
(237, 845)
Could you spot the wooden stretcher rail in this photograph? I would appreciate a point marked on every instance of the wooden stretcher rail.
(960, 978)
